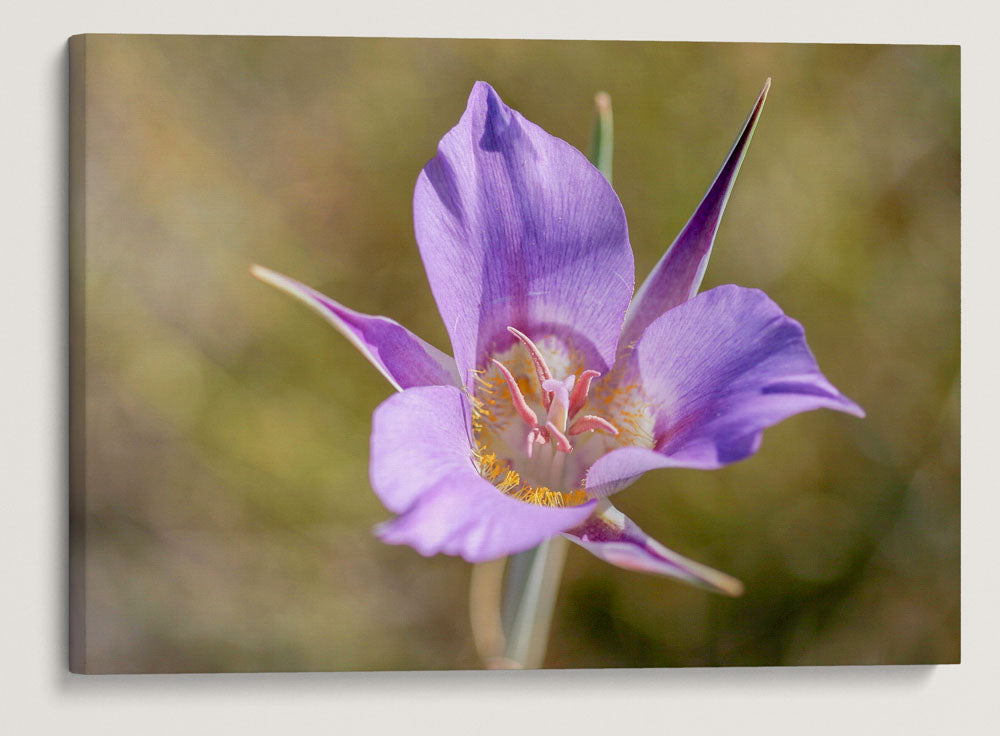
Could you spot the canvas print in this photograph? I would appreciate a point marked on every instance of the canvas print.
(409, 354)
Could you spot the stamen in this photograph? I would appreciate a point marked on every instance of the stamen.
(591, 422)
(580, 391)
(510, 481)
(544, 374)
(562, 443)
(517, 398)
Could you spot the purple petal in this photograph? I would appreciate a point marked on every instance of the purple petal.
(613, 537)
(402, 357)
(422, 469)
(717, 370)
(622, 467)
(677, 276)
(516, 227)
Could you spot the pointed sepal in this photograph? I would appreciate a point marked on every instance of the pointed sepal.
(677, 276)
(615, 538)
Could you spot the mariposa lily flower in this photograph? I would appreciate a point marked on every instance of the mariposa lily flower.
(564, 388)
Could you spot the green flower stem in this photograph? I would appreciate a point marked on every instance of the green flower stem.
(529, 622)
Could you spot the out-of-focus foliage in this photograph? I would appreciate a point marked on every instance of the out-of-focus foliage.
(228, 507)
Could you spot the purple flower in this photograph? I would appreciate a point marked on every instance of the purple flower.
(564, 388)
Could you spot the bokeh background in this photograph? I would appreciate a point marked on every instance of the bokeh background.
(227, 511)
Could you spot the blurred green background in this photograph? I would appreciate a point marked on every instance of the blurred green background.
(228, 512)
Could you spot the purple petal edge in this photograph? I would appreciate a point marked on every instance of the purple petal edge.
(403, 358)
(613, 537)
(679, 273)
(620, 468)
(716, 372)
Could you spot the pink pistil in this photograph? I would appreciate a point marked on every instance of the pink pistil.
(591, 422)
(562, 399)
(517, 398)
(580, 391)
(544, 374)
(535, 434)
(560, 440)
(559, 407)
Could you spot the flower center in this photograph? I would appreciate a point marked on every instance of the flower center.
(527, 423)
